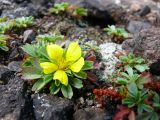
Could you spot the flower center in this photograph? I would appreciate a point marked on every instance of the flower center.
(63, 64)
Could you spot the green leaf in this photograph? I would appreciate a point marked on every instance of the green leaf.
(156, 98)
(129, 70)
(157, 105)
(42, 82)
(59, 7)
(124, 59)
(88, 65)
(122, 81)
(125, 75)
(29, 49)
(49, 38)
(140, 82)
(140, 108)
(54, 88)
(154, 116)
(147, 108)
(31, 73)
(149, 116)
(140, 60)
(141, 68)
(80, 11)
(5, 48)
(77, 83)
(129, 102)
(81, 75)
(67, 91)
(132, 88)
(31, 69)
(144, 94)
(57, 83)
(134, 77)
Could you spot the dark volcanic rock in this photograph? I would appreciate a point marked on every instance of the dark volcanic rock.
(89, 114)
(144, 11)
(100, 12)
(5, 73)
(52, 108)
(12, 99)
(146, 45)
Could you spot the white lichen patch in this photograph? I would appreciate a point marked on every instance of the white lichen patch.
(108, 59)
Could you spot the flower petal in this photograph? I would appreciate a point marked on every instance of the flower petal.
(61, 76)
(48, 67)
(73, 52)
(77, 66)
(54, 51)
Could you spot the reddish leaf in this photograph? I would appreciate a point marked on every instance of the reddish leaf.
(123, 112)
(92, 77)
(153, 85)
(119, 53)
(91, 58)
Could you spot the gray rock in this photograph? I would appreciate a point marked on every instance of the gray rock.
(89, 102)
(146, 44)
(12, 100)
(29, 36)
(52, 108)
(18, 12)
(89, 114)
(14, 54)
(15, 66)
(136, 26)
(6, 4)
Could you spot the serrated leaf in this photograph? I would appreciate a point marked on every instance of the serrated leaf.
(29, 49)
(67, 91)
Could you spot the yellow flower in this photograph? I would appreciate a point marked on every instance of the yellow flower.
(63, 61)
